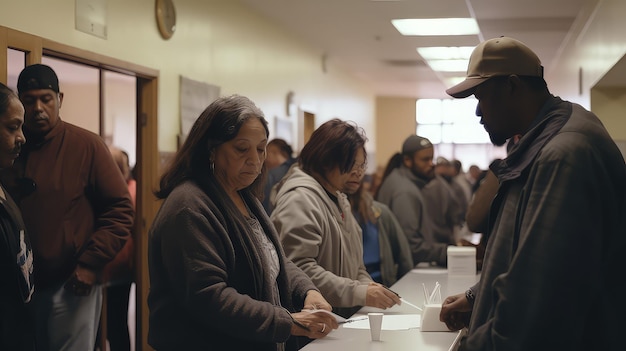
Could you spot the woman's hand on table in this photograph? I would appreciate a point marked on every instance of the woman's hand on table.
(314, 325)
(381, 297)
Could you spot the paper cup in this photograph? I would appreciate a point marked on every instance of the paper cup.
(376, 323)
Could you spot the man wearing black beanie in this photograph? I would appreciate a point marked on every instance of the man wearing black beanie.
(76, 208)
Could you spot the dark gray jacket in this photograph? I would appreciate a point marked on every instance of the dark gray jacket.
(401, 192)
(553, 275)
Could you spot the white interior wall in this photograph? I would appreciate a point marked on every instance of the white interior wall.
(595, 45)
(216, 41)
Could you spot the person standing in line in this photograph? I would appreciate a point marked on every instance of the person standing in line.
(119, 274)
(445, 205)
(386, 251)
(16, 256)
(460, 178)
(219, 278)
(554, 264)
(401, 190)
(315, 222)
(76, 209)
(279, 159)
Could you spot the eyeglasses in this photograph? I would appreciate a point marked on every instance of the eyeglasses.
(359, 167)
(26, 186)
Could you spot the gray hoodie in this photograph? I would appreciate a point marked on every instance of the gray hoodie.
(322, 238)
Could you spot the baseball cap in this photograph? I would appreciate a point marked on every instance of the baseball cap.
(497, 57)
(442, 161)
(415, 143)
(37, 76)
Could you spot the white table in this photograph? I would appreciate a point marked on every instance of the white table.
(410, 288)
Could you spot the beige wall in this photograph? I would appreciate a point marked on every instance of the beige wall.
(595, 45)
(217, 42)
(610, 103)
(395, 121)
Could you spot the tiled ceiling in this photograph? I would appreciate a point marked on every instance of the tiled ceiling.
(357, 35)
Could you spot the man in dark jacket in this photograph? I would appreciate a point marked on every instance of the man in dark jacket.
(77, 211)
(555, 260)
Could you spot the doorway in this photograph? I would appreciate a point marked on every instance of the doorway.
(18, 49)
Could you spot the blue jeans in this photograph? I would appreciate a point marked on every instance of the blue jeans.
(64, 321)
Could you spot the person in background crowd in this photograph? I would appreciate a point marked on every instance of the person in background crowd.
(279, 159)
(386, 251)
(377, 179)
(460, 178)
(406, 175)
(477, 216)
(16, 256)
(219, 278)
(119, 274)
(557, 230)
(76, 209)
(445, 203)
(473, 174)
(315, 221)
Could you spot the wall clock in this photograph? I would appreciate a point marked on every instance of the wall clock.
(166, 17)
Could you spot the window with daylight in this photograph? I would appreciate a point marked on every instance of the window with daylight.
(455, 131)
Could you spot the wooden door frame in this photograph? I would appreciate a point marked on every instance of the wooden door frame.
(147, 143)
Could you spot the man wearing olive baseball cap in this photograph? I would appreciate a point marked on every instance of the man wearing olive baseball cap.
(497, 57)
(557, 225)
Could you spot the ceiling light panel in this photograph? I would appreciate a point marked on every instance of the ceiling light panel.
(445, 52)
(436, 26)
(448, 65)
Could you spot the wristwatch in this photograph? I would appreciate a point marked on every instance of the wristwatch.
(469, 295)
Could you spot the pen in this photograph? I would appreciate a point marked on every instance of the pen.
(298, 323)
(402, 299)
(410, 304)
(398, 295)
(434, 292)
(352, 320)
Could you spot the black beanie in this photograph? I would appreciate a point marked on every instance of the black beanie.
(37, 76)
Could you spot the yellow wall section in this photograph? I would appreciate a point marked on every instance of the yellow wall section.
(216, 41)
(395, 122)
(610, 103)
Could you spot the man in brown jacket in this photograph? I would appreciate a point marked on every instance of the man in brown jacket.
(76, 208)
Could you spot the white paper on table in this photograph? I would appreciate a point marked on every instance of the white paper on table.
(390, 322)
